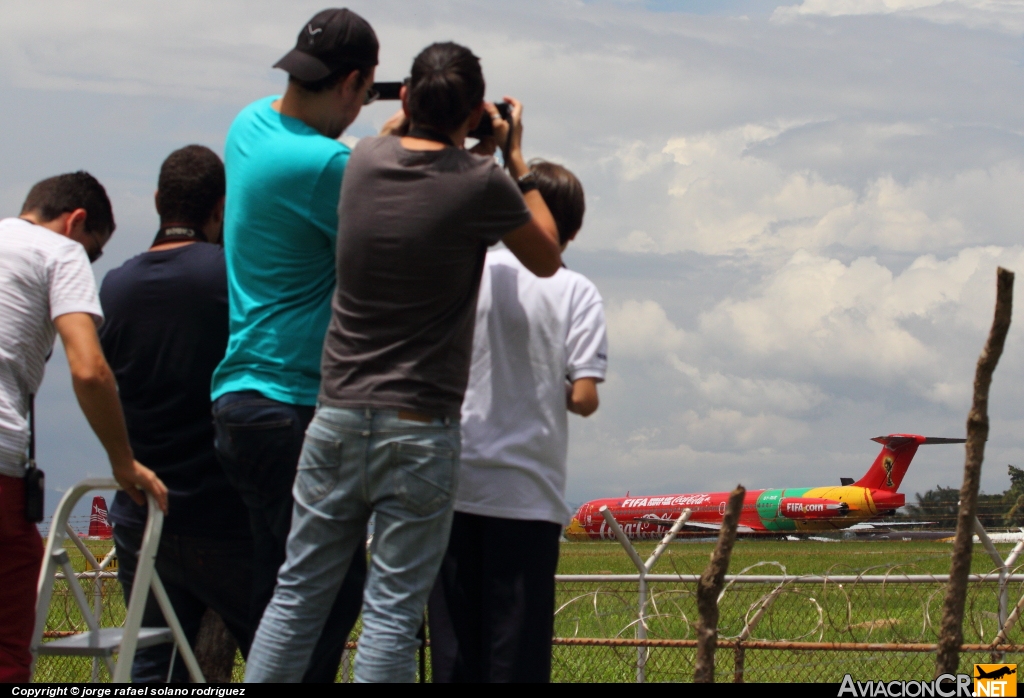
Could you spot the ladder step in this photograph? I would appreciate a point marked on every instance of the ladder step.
(103, 643)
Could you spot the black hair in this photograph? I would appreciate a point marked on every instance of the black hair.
(445, 86)
(64, 193)
(191, 185)
(563, 193)
(333, 79)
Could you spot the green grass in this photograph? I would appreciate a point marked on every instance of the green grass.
(798, 557)
(802, 612)
(808, 612)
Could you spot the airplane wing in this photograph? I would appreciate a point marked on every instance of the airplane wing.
(887, 524)
(714, 526)
(671, 522)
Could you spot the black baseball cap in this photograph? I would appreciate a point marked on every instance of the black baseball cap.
(332, 40)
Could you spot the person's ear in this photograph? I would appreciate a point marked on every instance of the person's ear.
(156, 202)
(352, 84)
(476, 115)
(74, 224)
(403, 94)
(213, 229)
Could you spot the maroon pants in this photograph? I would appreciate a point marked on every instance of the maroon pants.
(21, 556)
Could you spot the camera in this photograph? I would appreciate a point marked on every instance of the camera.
(392, 90)
(485, 127)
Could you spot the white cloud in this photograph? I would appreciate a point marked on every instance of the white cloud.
(641, 330)
(722, 193)
(754, 394)
(1005, 15)
(731, 429)
(794, 222)
(816, 316)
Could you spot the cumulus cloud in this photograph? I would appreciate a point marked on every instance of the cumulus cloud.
(820, 351)
(794, 221)
(641, 330)
(818, 316)
(723, 193)
(1004, 15)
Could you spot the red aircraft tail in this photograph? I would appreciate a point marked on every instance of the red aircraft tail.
(887, 472)
(99, 527)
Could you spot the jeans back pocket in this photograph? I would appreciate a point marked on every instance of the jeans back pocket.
(319, 469)
(423, 476)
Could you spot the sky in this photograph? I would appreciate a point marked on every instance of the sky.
(795, 211)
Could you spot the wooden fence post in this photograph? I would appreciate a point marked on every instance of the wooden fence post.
(951, 633)
(215, 648)
(710, 586)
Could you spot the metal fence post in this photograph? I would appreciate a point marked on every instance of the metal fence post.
(642, 568)
(1004, 571)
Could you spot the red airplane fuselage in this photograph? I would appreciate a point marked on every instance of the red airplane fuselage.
(770, 511)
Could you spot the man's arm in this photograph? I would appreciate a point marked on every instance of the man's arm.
(535, 244)
(96, 391)
(581, 397)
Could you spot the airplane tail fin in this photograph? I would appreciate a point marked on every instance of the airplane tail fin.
(887, 472)
(99, 526)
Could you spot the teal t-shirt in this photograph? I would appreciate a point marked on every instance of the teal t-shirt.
(280, 225)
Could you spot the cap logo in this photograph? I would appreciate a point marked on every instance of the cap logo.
(312, 31)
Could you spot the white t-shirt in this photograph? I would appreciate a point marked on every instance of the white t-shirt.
(532, 335)
(43, 275)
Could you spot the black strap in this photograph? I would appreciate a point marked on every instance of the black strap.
(32, 430)
(429, 134)
(179, 233)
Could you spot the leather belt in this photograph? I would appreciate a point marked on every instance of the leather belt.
(415, 416)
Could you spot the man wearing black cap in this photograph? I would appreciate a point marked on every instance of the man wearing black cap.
(284, 170)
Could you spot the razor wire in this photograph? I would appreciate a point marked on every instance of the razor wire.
(876, 624)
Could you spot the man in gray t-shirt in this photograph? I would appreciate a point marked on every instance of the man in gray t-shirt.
(408, 272)
(417, 215)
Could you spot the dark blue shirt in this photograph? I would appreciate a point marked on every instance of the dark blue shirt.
(166, 330)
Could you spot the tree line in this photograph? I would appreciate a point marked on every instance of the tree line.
(994, 510)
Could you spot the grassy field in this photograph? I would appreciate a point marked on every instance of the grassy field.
(830, 612)
(798, 557)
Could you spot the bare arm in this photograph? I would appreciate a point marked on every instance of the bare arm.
(535, 244)
(581, 397)
(96, 391)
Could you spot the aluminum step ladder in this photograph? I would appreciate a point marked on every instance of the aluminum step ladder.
(102, 643)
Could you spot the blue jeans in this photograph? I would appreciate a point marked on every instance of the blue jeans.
(356, 463)
(258, 442)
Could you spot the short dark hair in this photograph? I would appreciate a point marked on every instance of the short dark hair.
(331, 80)
(190, 186)
(64, 193)
(445, 85)
(563, 193)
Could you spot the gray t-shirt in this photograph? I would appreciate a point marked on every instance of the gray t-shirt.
(413, 230)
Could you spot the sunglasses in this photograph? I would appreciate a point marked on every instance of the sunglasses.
(372, 96)
(97, 252)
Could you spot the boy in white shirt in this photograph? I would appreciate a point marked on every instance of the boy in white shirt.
(539, 349)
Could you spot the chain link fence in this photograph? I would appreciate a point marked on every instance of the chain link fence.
(778, 627)
(781, 629)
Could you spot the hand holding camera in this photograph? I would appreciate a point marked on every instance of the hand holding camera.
(509, 133)
(492, 131)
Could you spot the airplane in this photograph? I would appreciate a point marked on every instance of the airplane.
(995, 673)
(851, 505)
